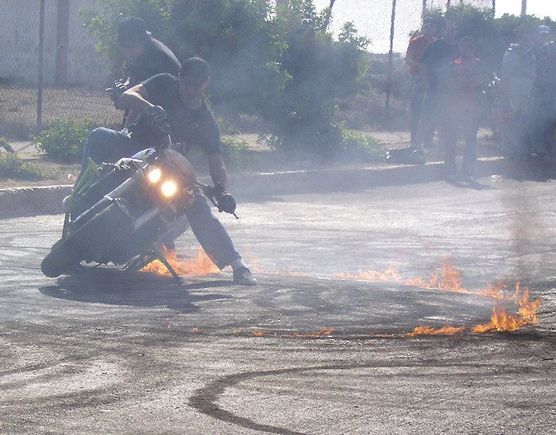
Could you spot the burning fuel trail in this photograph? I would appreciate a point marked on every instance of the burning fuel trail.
(199, 266)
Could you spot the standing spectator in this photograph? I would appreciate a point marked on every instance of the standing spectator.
(517, 79)
(436, 61)
(414, 54)
(543, 111)
(463, 114)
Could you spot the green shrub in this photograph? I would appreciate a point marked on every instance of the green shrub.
(63, 140)
(360, 146)
(11, 166)
(237, 154)
(284, 68)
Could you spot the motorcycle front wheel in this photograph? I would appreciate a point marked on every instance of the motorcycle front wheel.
(59, 260)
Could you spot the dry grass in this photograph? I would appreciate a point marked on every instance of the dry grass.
(18, 108)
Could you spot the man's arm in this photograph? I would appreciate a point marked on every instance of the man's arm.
(218, 171)
(135, 99)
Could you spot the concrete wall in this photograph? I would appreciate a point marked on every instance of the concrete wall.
(19, 43)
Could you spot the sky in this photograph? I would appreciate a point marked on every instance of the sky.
(372, 17)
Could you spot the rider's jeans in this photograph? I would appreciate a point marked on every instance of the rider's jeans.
(105, 145)
(210, 233)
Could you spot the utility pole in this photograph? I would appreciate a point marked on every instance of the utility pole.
(328, 14)
(523, 8)
(493, 8)
(390, 56)
(62, 41)
(424, 10)
(41, 62)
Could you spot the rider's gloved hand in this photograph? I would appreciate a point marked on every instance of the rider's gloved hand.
(116, 91)
(159, 119)
(226, 203)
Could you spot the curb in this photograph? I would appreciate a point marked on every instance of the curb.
(344, 180)
(32, 201)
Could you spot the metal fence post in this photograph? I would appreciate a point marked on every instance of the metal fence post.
(41, 62)
(62, 40)
(390, 66)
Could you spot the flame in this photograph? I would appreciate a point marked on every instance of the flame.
(445, 278)
(502, 321)
(448, 279)
(199, 266)
(391, 274)
(324, 332)
(426, 330)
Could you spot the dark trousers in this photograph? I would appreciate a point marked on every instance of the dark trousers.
(431, 115)
(105, 145)
(418, 92)
(461, 121)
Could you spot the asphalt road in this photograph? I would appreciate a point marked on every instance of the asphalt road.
(311, 349)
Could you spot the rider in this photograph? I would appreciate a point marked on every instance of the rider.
(166, 100)
(144, 56)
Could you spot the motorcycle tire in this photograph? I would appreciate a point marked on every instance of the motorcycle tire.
(59, 260)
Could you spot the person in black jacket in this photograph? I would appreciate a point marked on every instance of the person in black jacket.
(144, 56)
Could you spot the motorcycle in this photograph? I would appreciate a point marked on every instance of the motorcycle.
(122, 213)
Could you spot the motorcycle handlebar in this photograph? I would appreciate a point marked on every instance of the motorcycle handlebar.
(212, 194)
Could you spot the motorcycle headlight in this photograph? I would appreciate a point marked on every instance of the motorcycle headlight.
(154, 175)
(168, 188)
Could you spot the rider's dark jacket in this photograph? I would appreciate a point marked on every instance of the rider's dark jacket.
(189, 127)
(156, 58)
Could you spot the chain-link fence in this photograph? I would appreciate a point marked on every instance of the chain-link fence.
(50, 68)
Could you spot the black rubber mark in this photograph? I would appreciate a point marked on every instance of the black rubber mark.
(204, 399)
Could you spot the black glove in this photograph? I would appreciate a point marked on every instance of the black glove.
(159, 119)
(116, 91)
(226, 203)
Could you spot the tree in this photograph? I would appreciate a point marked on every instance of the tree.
(283, 67)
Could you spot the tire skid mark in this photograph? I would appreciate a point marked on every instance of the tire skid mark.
(205, 399)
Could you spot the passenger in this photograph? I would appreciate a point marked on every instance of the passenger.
(144, 57)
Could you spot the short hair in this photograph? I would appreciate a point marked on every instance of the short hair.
(195, 69)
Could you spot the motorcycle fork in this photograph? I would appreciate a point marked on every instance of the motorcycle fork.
(66, 223)
(160, 255)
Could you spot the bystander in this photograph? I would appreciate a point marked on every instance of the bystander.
(415, 50)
